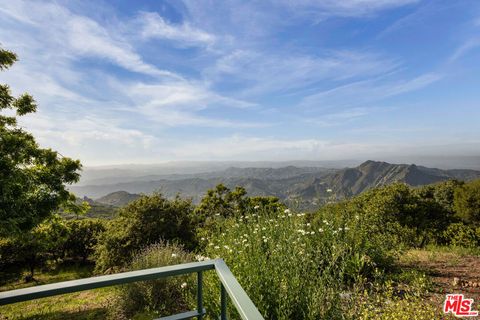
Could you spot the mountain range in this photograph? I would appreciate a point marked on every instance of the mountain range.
(306, 186)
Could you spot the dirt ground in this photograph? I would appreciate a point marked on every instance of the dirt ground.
(449, 272)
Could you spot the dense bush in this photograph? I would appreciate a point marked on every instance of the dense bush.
(82, 238)
(142, 222)
(467, 202)
(156, 297)
(461, 235)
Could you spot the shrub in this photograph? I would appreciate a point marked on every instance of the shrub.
(83, 237)
(157, 297)
(467, 202)
(142, 222)
(461, 235)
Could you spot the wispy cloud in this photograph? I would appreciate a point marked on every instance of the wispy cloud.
(71, 36)
(268, 72)
(367, 91)
(155, 26)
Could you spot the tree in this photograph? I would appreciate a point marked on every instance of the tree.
(221, 202)
(83, 236)
(32, 179)
(467, 202)
(143, 222)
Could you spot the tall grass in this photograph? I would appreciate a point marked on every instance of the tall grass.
(295, 269)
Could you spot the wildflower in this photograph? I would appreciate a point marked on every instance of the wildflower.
(174, 255)
(184, 285)
(308, 224)
(217, 214)
(320, 230)
(203, 239)
(290, 214)
(265, 240)
(201, 258)
(286, 211)
(217, 247)
(329, 190)
(256, 207)
(312, 233)
(346, 228)
(226, 247)
(264, 228)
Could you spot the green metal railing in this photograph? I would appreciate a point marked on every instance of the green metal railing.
(228, 285)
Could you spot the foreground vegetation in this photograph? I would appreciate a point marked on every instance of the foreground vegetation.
(344, 261)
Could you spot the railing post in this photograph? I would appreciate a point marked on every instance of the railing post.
(223, 302)
(200, 295)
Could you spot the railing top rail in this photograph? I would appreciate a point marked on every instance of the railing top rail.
(53, 289)
(239, 297)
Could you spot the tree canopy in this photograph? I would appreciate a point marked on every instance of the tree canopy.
(32, 179)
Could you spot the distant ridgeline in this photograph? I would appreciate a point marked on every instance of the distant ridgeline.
(306, 187)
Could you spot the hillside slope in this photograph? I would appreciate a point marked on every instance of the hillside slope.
(300, 185)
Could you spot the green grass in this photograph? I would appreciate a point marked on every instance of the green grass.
(84, 305)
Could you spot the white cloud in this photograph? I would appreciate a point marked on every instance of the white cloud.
(367, 91)
(154, 26)
(177, 104)
(467, 46)
(68, 35)
(348, 8)
(270, 72)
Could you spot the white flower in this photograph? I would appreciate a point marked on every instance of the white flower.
(264, 240)
(174, 255)
(308, 224)
(217, 214)
(184, 285)
(289, 214)
(217, 247)
(329, 190)
(226, 247)
(320, 230)
(203, 239)
(263, 228)
(286, 211)
(312, 233)
(256, 207)
(346, 228)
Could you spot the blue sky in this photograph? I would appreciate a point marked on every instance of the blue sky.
(151, 81)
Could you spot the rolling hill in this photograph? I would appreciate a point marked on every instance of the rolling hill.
(305, 185)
